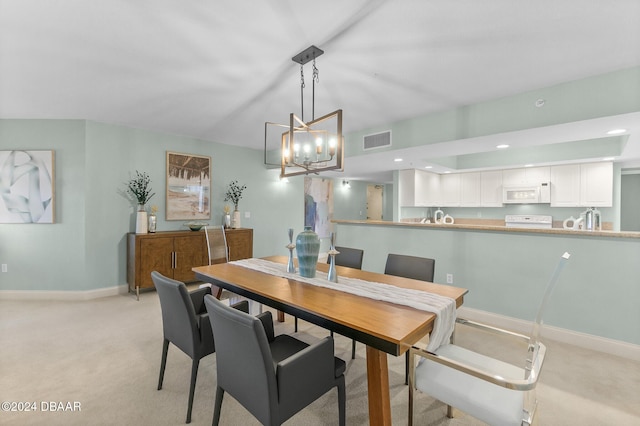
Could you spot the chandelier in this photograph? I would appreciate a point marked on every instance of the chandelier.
(307, 146)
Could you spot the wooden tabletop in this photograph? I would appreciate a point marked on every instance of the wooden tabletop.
(388, 327)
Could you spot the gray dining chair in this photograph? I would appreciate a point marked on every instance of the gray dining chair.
(185, 323)
(273, 377)
(417, 268)
(491, 390)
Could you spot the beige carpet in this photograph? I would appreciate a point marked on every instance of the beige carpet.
(105, 354)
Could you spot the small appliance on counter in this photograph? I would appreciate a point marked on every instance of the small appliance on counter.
(528, 221)
(589, 220)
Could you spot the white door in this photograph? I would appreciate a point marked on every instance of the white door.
(374, 202)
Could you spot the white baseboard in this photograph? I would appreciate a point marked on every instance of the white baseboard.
(583, 340)
(63, 295)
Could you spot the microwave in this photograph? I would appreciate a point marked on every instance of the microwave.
(527, 194)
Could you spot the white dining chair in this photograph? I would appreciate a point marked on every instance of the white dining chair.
(486, 388)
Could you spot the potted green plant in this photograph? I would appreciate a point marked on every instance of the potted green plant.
(234, 194)
(139, 190)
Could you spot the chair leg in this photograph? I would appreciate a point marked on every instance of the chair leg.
(353, 349)
(296, 325)
(192, 387)
(342, 404)
(406, 371)
(163, 362)
(218, 406)
(449, 411)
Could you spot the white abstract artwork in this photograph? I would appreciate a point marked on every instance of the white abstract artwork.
(27, 191)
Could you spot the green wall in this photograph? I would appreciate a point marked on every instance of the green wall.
(506, 272)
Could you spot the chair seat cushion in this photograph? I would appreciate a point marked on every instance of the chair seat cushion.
(283, 346)
(486, 401)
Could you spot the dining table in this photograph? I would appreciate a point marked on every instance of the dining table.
(384, 327)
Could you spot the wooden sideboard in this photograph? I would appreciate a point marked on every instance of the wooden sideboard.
(175, 253)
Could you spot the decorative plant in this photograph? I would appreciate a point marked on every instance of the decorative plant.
(226, 209)
(234, 193)
(138, 188)
(154, 209)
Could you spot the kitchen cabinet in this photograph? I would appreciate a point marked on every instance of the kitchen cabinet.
(175, 253)
(419, 188)
(596, 184)
(526, 176)
(450, 190)
(470, 189)
(565, 185)
(407, 187)
(582, 185)
(491, 188)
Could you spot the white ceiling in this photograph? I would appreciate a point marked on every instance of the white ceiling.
(217, 70)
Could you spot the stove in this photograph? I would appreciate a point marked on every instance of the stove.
(528, 221)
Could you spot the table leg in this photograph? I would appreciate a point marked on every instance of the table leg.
(280, 316)
(378, 385)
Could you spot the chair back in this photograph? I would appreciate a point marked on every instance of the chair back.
(534, 340)
(418, 268)
(244, 364)
(216, 244)
(349, 257)
(179, 321)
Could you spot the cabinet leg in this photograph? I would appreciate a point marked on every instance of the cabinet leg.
(138, 293)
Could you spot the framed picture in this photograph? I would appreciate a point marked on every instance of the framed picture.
(27, 187)
(188, 186)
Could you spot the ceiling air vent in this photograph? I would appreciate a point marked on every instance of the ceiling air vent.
(378, 140)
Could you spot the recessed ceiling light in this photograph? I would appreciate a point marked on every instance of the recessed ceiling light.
(397, 160)
(528, 165)
(608, 159)
(428, 167)
(616, 131)
(448, 171)
(502, 146)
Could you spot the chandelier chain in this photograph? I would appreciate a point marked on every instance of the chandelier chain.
(302, 85)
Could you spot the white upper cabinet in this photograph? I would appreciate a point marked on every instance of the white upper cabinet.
(525, 176)
(419, 188)
(450, 190)
(470, 189)
(565, 185)
(491, 188)
(582, 185)
(407, 187)
(596, 184)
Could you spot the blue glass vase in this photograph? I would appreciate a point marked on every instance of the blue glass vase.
(307, 248)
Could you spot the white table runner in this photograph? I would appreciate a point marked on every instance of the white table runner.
(443, 307)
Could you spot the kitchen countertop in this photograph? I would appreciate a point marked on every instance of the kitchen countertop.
(493, 227)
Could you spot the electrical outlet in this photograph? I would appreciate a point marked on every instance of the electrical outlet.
(247, 215)
(4, 267)
(449, 278)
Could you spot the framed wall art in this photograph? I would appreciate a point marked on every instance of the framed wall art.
(27, 187)
(188, 186)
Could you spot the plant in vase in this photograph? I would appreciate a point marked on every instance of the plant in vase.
(234, 194)
(139, 190)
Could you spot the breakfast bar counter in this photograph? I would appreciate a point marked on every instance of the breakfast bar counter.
(491, 226)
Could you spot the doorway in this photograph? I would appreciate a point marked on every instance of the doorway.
(374, 202)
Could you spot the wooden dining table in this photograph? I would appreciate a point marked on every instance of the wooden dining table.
(385, 328)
